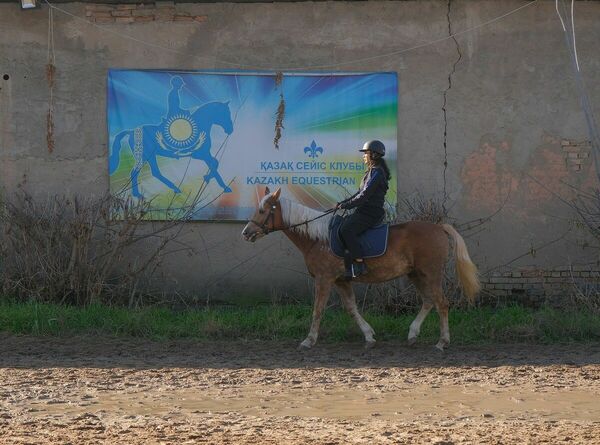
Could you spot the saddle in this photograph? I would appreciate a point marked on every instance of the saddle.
(373, 242)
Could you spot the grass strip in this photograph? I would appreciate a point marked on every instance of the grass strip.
(471, 326)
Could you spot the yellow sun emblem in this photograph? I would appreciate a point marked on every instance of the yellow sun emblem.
(180, 131)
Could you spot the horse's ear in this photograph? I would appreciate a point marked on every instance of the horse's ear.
(277, 193)
(267, 191)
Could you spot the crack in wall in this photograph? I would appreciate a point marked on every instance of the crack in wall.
(445, 103)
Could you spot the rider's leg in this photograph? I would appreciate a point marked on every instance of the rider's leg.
(351, 228)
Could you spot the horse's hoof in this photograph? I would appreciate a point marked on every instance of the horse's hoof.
(440, 346)
(369, 344)
(412, 341)
(304, 346)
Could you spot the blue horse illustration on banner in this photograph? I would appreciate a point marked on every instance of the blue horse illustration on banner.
(181, 133)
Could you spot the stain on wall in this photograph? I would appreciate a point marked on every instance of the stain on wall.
(487, 175)
(557, 170)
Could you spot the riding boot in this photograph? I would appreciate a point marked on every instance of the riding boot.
(358, 268)
(347, 266)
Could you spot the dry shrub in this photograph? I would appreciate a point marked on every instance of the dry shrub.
(279, 121)
(280, 113)
(586, 291)
(80, 250)
(419, 208)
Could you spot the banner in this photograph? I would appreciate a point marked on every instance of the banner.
(205, 144)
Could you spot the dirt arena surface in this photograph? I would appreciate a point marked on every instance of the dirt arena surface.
(102, 390)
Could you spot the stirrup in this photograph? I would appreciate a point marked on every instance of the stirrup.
(358, 269)
(347, 266)
(348, 275)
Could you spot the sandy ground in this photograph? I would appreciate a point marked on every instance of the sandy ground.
(101, 390)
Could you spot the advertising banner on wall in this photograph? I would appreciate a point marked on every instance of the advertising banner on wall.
(205, 144)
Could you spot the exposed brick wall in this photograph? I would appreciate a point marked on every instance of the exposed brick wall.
(576, 153)
(141, 13)
(535, 287)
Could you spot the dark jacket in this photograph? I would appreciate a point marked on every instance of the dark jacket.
(370, 198)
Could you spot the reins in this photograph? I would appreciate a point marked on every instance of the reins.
(327, 212)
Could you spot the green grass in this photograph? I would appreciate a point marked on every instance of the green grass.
(472, 326)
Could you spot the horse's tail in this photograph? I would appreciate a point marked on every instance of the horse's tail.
(115, 154)
(465, 269)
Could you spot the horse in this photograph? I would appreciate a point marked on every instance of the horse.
(416, 249)
(148, 141)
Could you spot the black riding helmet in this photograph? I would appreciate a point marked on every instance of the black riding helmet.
(375, 147)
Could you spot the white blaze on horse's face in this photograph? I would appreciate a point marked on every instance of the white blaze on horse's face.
(259, 224)
(255, 227)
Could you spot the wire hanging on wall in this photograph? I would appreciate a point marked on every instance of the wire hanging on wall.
(584, 97)
(238, 65)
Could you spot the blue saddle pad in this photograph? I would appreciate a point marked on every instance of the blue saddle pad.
(373, 242)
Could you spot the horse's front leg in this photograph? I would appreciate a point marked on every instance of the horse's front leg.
(322, 291)
(349, 301)
(158, 175)
(213, 172)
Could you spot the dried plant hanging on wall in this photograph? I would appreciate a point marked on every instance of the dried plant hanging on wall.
(50, 77)
(280, 109)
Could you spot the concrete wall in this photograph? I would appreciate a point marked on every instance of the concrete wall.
(502, 98)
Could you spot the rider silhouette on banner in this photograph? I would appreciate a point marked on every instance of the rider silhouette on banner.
(174, 98)
(181, 133)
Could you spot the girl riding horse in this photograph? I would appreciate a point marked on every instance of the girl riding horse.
(368, 202)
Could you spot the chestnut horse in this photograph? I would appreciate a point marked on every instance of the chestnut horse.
(417, 249)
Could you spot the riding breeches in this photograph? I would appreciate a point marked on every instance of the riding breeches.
(352, 227)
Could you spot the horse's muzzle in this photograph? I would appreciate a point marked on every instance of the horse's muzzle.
(249, 236)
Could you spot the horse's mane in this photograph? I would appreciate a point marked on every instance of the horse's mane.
(295, 213)
(209, 106)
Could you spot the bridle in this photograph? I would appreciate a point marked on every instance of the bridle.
(264, 226)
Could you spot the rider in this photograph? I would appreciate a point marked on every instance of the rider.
(368, 201)
(174, 99)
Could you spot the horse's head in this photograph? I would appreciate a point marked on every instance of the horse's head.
(267, 217)
(223, 116)
(214, 113)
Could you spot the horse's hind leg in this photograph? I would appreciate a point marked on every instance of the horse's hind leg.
(349, 301)
(432, 294)
(415, 326)
(441, 305)
(322, 291)
(135, 189)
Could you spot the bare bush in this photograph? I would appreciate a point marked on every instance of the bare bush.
(80, 250)
(586, 292)
(419, 208)
(587, 208)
